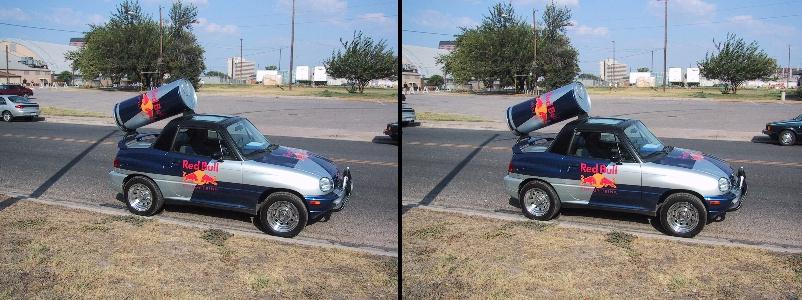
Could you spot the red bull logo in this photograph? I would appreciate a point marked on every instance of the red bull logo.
(544, 109)
(150, 104)
(598, 179)
(199, 176)
(694, 155)
(299, 155)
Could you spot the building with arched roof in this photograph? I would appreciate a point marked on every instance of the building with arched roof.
(34, 61)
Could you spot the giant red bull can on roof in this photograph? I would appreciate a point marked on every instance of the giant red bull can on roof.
(561, 104)
(157, 104)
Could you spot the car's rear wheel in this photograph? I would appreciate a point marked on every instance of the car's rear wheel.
(283, 214)
(683, 215)
(787, 138)
(7, 116)
(143, 196)
(539, 201)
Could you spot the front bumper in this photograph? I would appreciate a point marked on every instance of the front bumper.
(770, 133)
(732, 200)
(334, 201)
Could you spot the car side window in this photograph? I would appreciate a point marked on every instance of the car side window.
(598, 145)
(200, 142)
(2, 101)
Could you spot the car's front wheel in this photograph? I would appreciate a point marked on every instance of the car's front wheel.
(787, 138)
(539, 201)
(683, 215)
(143, 196)
(283, 214)
(7, 116)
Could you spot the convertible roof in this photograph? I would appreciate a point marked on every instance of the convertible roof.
(599, 123)
(205, 120)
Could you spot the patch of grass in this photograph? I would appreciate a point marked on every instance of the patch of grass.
(27, 223)
(533, 225)
(430, 232)
(68, 112)
(133, 220)
(388, 94)
(436, 116)
(620, 239)
(326, 93)
(795, 261)
(259, 283)
(677, 283)
(216, 236)
(95, 227)
(696, 92)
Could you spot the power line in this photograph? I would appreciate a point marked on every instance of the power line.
(319, 21)
(424, 32)
(42, 28)
(704, 23)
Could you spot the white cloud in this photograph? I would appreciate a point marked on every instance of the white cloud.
(584, 30)
(687, 7)
(380, 19)
(749, 23)
(434, 19)
(212, 27)
(15, 14)
(328, 7)
(70, 17)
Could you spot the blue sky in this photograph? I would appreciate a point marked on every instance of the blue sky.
(635, 26)
(264, 25)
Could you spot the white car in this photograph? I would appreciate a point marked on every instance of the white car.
(12, 106)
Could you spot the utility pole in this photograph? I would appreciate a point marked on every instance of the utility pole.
(534, 56)
(7, 74)
(240, 57)
(652, 68)
(789, 67)
(665, 45)
(279, 59)
(614, 62)
(161, 42)
(292, 42)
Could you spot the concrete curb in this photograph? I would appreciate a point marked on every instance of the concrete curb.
(605, 229)
(193, 224)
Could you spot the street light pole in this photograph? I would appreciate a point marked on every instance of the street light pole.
(292, 42)
(614, 63)
(161, 42)
(534, 55)
(665, 45)
(240, 57)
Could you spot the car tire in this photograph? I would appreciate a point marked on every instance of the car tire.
(683, 215)
(532, 196)
(786, 138)
(142, 196)
(7, 117)
(283, 214)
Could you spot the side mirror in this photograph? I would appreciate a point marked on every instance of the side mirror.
(217, 156)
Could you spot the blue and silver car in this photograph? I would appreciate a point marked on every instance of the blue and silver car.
(619, 165)
(224, 162)
(12, 106)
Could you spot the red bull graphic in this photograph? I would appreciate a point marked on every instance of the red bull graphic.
(150, 104)
(599, 179)
(199, 176)
(544, 109)
(690, 154)
(297, 154)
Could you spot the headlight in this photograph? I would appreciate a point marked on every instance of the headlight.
(326, 185)
(723, 184)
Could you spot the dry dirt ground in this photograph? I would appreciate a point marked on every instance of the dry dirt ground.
(50, 252)
(451, 256)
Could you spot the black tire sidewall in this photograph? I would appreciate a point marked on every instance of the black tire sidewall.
(554, 200)
(793, 137)
(303, 214)
(683, 197)
(156, 195)
(3, 116)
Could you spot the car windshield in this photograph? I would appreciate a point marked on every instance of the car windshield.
(799, 118)
(643, 140)
(247, 138)
(17, 99)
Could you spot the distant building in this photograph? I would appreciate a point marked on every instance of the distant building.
(241, 69)
(77, 42)
(447, 45)
(420, 63)
(34, 62)
(612, 70)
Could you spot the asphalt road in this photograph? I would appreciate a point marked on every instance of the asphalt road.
(445, 167)
(71, 162)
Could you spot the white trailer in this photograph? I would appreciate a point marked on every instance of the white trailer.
(319, 74)
(675, 75)
(692, 76)
(302, 73)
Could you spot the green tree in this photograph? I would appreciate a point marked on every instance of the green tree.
(362, 60)
(435, 80)
(643, 69)
(736, 62)
(216, 74)
(501, 47)
(64, 76)
(127, 46)
(589, 76)
(271, 67)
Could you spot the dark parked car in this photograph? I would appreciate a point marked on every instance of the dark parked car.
(15, 89)
(392, 131)
(785, 132)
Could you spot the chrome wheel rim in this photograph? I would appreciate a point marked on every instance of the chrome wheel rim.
(536, 202)
(786, 138)
(139, 197)
(282, 216)
(683, 217)
(6, 117)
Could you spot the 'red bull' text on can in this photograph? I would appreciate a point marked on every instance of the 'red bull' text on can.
(157, 104)
(565, 102)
